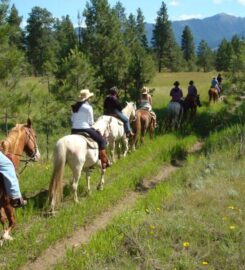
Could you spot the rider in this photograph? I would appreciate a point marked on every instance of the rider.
(82, 120)
(215, 84)
(177, 94)
(145, 102)
(113, 106)
(11, 182)
(192, 93)
(219, 79)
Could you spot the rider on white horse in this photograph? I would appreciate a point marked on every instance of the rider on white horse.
(82, 120)
(177, 94)
(112, 106)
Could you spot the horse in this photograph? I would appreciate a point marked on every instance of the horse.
(112, 130)
(144, 121)
(21, 138)
(213, 95)
(190, 104)
(175, 112)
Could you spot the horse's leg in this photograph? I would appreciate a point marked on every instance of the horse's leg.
(76, 176)
(88, 177)
(125, 144)
(9, 211)
(102, 180)
(112, 145)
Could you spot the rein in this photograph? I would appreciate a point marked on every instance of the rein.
(26, 160)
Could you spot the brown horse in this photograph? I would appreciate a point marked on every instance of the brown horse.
(143, 121)
(21, 138)
(213, 95)
(190, 105)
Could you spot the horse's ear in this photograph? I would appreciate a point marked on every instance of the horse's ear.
(29, 124)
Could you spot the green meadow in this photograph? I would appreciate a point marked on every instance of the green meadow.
(194, 220)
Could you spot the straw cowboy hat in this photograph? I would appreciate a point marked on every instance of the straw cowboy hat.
(85, 94)
(145, 90)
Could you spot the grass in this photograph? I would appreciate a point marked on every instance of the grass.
(194, 221)
(35, 229)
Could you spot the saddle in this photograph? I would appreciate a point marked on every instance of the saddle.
(90, 142)
(120, 122)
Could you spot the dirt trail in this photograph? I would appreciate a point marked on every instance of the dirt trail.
(56, 253)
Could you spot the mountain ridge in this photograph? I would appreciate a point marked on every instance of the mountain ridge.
(211, 29)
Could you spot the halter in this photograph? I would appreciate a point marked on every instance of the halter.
(29, 137)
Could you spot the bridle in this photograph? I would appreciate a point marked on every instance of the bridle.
(29, 137)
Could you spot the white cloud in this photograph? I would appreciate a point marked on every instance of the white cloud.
(174, 3)
(242, 2)
(217, 2)
(184, 17)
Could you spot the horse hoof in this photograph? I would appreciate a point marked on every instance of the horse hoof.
(100, 187)
(7, 237)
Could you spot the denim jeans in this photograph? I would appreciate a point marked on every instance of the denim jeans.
(124, 119)
(11, 181)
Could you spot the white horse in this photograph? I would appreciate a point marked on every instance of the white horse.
(174, 115)
(79, 154)
(112, 130)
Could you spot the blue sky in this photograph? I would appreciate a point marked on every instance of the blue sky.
(177, 9)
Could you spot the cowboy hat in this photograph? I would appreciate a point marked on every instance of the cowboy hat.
(176, 83)
(85, 94)
(145, 90)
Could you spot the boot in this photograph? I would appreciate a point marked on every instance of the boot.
(104, 159)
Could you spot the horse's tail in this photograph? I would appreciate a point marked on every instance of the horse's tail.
(56, 184)
(137, 128)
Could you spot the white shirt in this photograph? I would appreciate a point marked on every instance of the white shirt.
(84, 117)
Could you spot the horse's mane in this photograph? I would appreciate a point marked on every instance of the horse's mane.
(11, 137)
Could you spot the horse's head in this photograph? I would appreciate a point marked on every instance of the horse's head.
(130, 110)
(30, 143)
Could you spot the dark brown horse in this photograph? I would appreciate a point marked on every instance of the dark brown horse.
(144, 121)
(21, 138)
(213, 95)
(190, 105)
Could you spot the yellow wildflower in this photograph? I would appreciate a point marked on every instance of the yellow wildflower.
(186, 244)
(232, 227)
(158, 209)
(152, 227)
(204, 263)
(147, 211)
(231, 207)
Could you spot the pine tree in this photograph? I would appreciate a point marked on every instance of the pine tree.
(224, 56)
(162, 38)
(140, 26)
(103, 42)
(16, 34)
(205, 57)
(66, 37)
(74, 73)
(10, 69)
(187, 44)
(40, 43)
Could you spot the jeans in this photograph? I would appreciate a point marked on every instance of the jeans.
(11, 181)
(94, 134)
(124, 119)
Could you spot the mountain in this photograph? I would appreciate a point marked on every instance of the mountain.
(212, 29)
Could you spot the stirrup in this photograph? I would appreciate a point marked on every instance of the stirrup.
(19, 202)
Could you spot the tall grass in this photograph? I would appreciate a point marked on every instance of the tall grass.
(193, 221)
